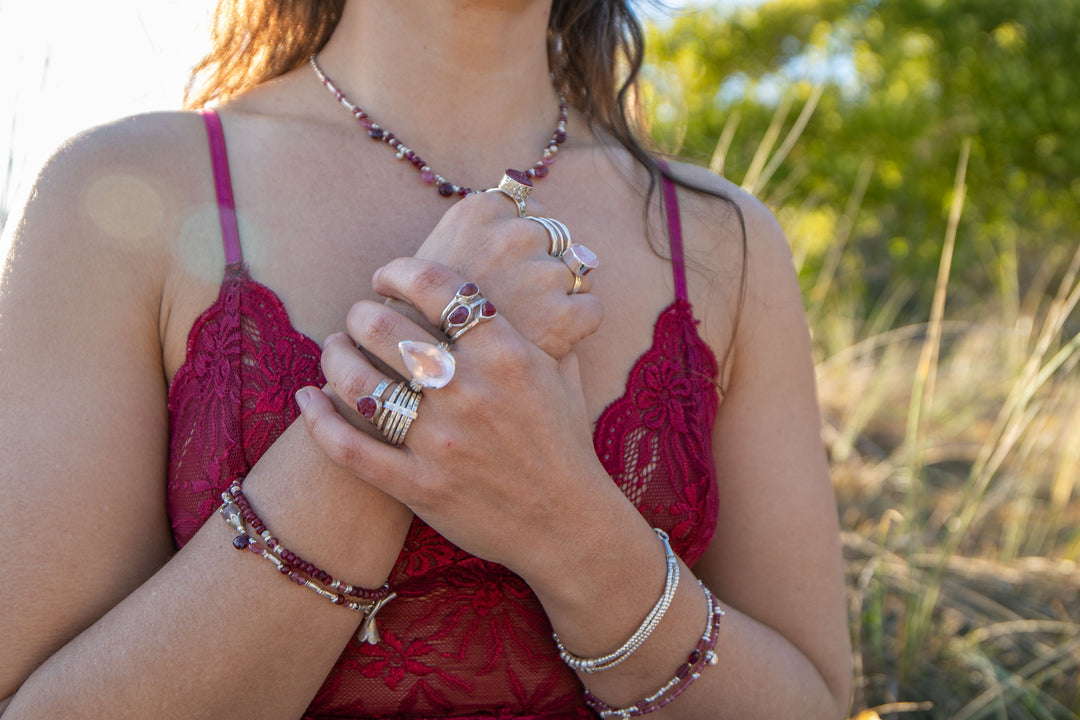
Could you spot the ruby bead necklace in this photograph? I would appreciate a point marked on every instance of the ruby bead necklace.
(444, 187)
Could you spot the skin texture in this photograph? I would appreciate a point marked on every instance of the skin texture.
(118, 252)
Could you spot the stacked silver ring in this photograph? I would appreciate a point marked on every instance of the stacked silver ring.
(398, 413)
(557, 232)
(465, 310)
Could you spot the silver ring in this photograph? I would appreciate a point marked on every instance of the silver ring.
(557, 232)
(398, 413)
(465, 294)
(577, 285)
(370, 405)
(580, 259)
(515, 185)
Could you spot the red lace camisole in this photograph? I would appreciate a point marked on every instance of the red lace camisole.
(465, 638)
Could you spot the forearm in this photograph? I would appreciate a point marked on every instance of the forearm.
(602, 599)
(221, 633)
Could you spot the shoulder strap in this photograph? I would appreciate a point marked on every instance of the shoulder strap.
(671, 210)
(230, 233)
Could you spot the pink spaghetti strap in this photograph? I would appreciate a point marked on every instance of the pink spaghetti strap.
(230, 234)
(671, 210)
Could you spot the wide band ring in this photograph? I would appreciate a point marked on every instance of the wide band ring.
(577, 285)
(464, 311)
(557, 232)
(398, 413)
(515, 185)
(580, 259)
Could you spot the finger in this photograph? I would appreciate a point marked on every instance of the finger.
(380, 330)
(426, 285)
(354, 378)
(380, 464)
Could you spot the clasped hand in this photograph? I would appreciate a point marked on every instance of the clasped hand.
(501, 458)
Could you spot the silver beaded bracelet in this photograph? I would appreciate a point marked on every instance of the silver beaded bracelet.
(671, 583)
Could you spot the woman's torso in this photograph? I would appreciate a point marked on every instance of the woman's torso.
(463, 631)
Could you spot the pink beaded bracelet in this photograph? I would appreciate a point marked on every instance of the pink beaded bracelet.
(252, 535)
(704, 654)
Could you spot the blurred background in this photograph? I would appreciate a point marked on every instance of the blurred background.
(922, 156)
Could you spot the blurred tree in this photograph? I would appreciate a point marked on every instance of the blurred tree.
(902, 83)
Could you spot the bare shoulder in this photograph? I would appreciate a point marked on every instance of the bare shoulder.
(119, 183)
(740, 269)
(726, 215)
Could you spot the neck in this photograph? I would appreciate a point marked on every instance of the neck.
(464, 82)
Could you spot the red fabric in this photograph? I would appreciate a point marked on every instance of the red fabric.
(464, 637)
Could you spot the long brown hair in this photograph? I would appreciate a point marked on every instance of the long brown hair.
(595, 52)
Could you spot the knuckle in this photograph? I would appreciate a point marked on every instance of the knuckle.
(378, 326)
(353, 384)
(431, 276)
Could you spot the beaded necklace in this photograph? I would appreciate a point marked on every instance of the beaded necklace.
(442, 185)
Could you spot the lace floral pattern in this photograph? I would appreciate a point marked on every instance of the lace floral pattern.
(465, 638)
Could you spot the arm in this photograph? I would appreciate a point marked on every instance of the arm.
(558, 520)
(100, 618)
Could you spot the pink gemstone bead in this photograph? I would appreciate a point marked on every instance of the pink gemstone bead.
(428, 176)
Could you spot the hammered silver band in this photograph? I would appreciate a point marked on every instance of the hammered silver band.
(515, 185)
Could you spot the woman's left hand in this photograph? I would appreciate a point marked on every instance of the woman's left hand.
(500, 460)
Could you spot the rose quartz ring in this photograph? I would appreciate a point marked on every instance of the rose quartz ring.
(464, 311)
(515, 185)
(431, 366)
(581, 261)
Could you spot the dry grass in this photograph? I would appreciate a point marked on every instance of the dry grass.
(955, 451)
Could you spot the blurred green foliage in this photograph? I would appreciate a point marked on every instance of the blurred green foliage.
(902, 83)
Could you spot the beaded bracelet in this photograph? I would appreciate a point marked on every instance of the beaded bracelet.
(671, 584)
(252, 535)
(704, 654)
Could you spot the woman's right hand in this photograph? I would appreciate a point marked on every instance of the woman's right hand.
(507, 257)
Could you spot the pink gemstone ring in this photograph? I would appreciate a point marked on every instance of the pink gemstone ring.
(580, 259)
(431, 366)
(515, 185)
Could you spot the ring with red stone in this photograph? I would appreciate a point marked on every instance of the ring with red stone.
(515, 185)
(465, 295)
(370, 405)
(431, 366)
(557, 232)
(479, 311)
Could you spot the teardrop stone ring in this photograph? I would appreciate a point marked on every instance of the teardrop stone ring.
(431, 366)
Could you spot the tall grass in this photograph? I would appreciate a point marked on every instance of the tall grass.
(955, 451)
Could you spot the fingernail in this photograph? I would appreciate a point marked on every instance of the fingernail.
(303, 397)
